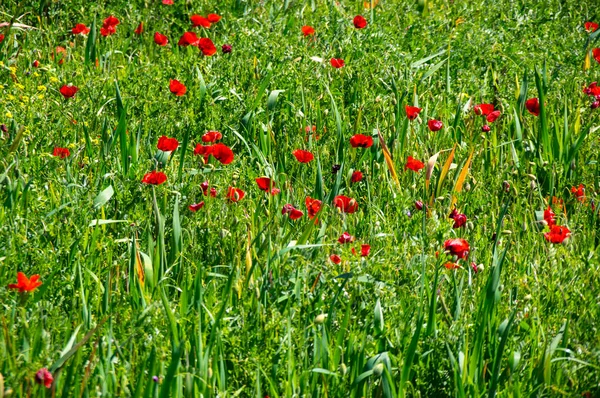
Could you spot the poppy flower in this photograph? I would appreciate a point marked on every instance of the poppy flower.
(419, 205)
(357, 176)
(346, 238)
(303, 156)
(203, 150)
(197, 206)
(593, 89)
(68, 91)
(533, 106)
(1, 37)
(235, 194)
(459, 219)
(359, 22)
(212, 136)
(25, 284)
(111, 21)
(335, 259)
(435, 125)
(188, 39)
(167, 144)
(313, 206)
(596, 54)
(579, 192)
(361, 141)
(35, 63)
(207, 46)
(590, 27)
(140, 29)
(557, 234)
(493, 116)
(204, 187)
(337, 62)
(413, 164)
(108, 30)
(308, 30)
(80, 29)
(412, 112)
(43, 376)
(451, 265)
(61, 152)
(549, 217)
(154, 178)
(226, 48)
(177, 87)
(365, 250)
(199, 20)
(222, 153)
(457, 247)
(267, 185)
(160, 39)
(167, 2)
(214, 18)
(483, 109)
(345, 204)
(292, 212)
(485, 128)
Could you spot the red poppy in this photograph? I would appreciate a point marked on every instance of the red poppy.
(533, 106)
(292, 212)
(483, 109)
(204, 187)
(590, 27)
(267, 185)
(177, 87)
(222, 153)
(557, 234)
(593, 89)
(337, 62)
(160, 39)
(212, 136)
(188, 39)
(361, 141)
(346, 238)
(419, 205)
(207, 46)
(167, 144)
(235, 194)
(412, 112)
(345, 204)
(435, 125)
(108, 30)
(365, 250)
(459, 219)
(196, 206)
(308, 30)
(1, 37)
(359, 22)
(413, 164)
(24, 284)
(111, 21)
(357, 176)
(579, 192)
(68, 91)
(43, 376)
(457, 247)
(335, 259)
(199, 20)
(493, 116)
(61, 152)
(313, 206)
(167, 2)
(154, 178)
(214, 18)
(450, 265)
(303, 156)
(80, 29)
(226, 48)
(140, 29)
(596, 54)
(35, 64)
(549, 217)
(203, 150)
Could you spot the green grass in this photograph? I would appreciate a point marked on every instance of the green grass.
(237, 299)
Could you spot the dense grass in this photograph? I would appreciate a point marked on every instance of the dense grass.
(236, 299)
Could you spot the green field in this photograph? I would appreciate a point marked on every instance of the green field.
(299, 198)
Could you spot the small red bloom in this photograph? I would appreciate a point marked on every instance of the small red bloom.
(167, 144)
(596, 54)
(435, 125)
(80, 29)
(365, 250)
(222, 153)
(337, 62)
(308, 30)
(177, 87)
(167, 2)
(154, 178)
(267, 185)
(43, 376)
(557, 234)
(533, 106)
(207, 46)
(483, 109)
(1, 38)
(212, 136)
(590, 27)
(345, 204)
(199, 20)
(579, 192)
(61, 152)
(197, 206)
(292, 212)
(226, 48)
(361, 141)
(160, 39)
(213, 18)
(235, 194)
(419, 205)
(359, 22)
(188, 39)
(303, 156)
(111, 21)
(593, 89)
(68, 91)
(457, 247)
(459, 219)
(413, 164)
(450, 265)
(35, 64)
(493, 116)
(412, 112)
(24, 284)
(203, 150)
(346, 238)
(549, 217)
(313, 206)
(108, 30)
(335, 259)
(357, 176)
(140, 29)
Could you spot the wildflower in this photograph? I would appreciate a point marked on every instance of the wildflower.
(435, 125)
(226, 48)
(346, 238)
(68, 91)
(337, 63)
(549, 217)
(579, 192)
(167, 144)
(412, 112)
(177, 88)
(235, 194)
(154, 178)
(140, 29)
(213, 18)
(365, 250)
(413, 164)
(80, 29)
(212, 136)
(160, 39)
(361, 141)
(303, 156)
(25, 284)
(457, 247)
(590, 27)
(533, 106)
(267, 185)
(61, 152)
(345, 204)
(207, 47)
(557, 234)
(459, 219)
(308, 30)
(197, 206)
(43, 376)
(313, 206)
(222, 153)
(188, 39)
(359, 22)
(357, 176)
(199, 20)
(292, 212)
(335, 259)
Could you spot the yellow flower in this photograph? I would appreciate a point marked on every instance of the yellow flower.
(35, 74)
(13, 70)
(11, 97)
(19, 86)
(25, 98)
(41, 96)
(9, 115)
(53, 79)
(42, 88)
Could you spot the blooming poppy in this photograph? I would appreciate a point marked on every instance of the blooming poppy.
(235, 194)
(457, 247)
(413, 164)
(359, 22)
(596, 54)
(557, 234)
(68, 91)
(226, 48)
(196, 206)
(222, 153)
(345, 204)
(177, 87)
(167, 144)
(108, 30)
(214, 18)
(207, 46)
(459, 219)
(167, 2)
(61, 152)
(412, 112)
(308, 30)
(579, 192)
(365, 250)
(25, 284)
(154, 178)
(313, 206)
(160, 39)
(80, 29)
(357, 176)
(303, 156)
(435, 125)
(335, 259)
(361, 141)
(590, 27)
(533, 106)
(346, 238)
(493, 116)
(292, 212)
(140, 29)
(1, 37)
(483, 109)
(549, 217)
(203, 150)
(337, 62)
(267, 185)
(43, 376)
(199, 20)
(188, 39)
(593, 89)
(212, 136)
(451, 265)
(111, 21)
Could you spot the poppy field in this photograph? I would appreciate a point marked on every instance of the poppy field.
(299, 198)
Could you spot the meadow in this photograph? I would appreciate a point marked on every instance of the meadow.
(299, 198)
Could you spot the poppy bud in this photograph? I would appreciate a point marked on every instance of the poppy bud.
(485, 128)
(36, 63)
(595, 104)
(319, 319)
(343, 369)
(378, 369)
(4, 128)
(419, 205)
(226, 48)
